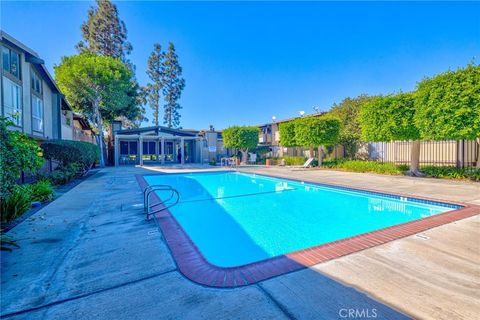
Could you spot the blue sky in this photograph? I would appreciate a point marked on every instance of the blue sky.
(247, 61)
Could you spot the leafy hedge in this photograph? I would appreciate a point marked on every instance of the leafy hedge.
(294, 161)
(240, 137)
(393, 169)
(62, 175)
(314, 132)
(17, 153)
(366, 166)
(451, 173)
(68, 151)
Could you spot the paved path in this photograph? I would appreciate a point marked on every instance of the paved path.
(90, 255)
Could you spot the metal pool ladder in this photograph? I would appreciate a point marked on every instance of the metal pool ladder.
(172, 200)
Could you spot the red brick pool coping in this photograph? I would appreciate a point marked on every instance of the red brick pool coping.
(195, 267)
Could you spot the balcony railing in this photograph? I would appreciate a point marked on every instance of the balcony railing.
(80, 135)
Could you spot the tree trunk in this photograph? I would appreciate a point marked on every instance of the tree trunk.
(100, 132)
(478, 153)
(244, 156)
(415, 159)
(110, 146)
(320, 155)
(311, 155)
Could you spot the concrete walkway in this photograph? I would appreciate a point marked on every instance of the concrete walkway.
(91, 255)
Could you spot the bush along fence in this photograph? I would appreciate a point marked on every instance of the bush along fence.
(74, 158)
(20, 154)
(447, 159)
(451, 153)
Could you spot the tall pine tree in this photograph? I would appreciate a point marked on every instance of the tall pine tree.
(104, 33)
(173, 84)
(155, 71)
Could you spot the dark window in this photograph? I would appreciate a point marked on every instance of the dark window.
(15, 64)
(151, 147)
(145, 147)
(11, 62)
(133, 147)
(36, 83)
(123, 147)
(6, 59)
(168, 148)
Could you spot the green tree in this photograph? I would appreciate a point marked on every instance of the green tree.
(350, 133)
(98, 86)
(104, 33)
(448, 106)
(388, 118)
(155, 72)
(287, 134)
(243, 138)
(17, 153)
(173, 84)
(317, 132)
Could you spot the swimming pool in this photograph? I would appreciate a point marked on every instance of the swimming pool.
(235, 219)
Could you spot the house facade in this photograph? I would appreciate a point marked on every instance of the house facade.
(162, 145)
(29, 96)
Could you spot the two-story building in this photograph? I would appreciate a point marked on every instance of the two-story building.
(29, 96)
(269, 136)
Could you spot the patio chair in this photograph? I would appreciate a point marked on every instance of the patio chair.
(308, 163)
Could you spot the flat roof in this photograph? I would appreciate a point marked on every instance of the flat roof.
(157, 129)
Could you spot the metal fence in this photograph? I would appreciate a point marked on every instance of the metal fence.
(31, 177)
(460, 154)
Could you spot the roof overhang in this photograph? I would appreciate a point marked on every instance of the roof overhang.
(83, 121)
(157, 130)
(33, 58)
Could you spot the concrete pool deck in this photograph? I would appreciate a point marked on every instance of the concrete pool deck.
(91, 255)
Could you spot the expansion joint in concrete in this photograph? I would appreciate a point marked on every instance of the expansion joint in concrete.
(54, 303)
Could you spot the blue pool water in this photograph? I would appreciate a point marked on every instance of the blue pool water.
(237, 218)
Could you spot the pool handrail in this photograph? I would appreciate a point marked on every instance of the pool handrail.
(158, 187)
(149, 188)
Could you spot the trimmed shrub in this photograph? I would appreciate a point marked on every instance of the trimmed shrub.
(42, 191)
(68, 151)
(371, 166)
(366, 166)
(451, 173)
(242, 138)
(393, 169)
(64, 174)
(17, 203)
(294, 161)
